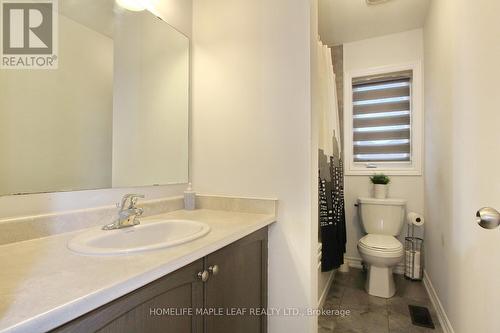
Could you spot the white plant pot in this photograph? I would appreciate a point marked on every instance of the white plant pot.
(380, 191)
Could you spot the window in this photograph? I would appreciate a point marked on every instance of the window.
(383, 125)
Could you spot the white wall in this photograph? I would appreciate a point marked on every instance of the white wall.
(252, 130)
(56, 124)
(178, 13)
(438, 149)
(462, 158)
(400, 48)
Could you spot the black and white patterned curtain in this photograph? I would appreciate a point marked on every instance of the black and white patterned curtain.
(332, 213)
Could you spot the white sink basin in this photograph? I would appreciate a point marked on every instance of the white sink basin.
(150, 235)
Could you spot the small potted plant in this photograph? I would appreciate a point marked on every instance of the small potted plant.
(380, 185)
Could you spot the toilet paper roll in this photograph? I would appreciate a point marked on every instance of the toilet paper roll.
(416, 274)
(413, 257)
(415, 219)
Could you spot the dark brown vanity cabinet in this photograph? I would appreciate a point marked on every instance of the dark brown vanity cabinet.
(217, 294)
(240, 285)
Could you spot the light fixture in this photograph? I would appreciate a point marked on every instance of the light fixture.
(133, 5)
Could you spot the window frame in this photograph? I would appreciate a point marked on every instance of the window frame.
(414, 167)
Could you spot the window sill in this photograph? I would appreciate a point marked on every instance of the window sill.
(388, 172)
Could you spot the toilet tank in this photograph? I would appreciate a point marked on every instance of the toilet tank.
(382, 216)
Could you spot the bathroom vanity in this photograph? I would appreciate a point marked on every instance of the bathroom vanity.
(49, 287)
(207, 295)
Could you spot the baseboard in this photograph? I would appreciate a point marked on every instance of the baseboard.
(443, 318)
(355, 262)
(322, 299)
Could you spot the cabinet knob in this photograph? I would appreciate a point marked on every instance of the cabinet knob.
(214, 269)
(203, 276)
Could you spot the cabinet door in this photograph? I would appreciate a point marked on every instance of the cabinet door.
(240, 283)
(135, 312)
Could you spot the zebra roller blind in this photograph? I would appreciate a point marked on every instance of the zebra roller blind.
(382, 118)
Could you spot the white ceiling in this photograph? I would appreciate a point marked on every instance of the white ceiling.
(342, 21)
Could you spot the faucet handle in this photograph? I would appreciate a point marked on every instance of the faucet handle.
(133, 199)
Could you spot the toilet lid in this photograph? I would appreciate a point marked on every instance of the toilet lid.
(383, 243)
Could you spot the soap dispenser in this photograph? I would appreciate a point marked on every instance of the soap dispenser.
(189, 198)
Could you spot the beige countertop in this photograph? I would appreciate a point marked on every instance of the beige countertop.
(43, 284)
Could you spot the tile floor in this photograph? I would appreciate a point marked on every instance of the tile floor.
(370, 314)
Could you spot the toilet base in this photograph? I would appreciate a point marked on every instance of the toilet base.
(380, 282)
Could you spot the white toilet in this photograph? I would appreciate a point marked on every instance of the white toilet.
(382, 220)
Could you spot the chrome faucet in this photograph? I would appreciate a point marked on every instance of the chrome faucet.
(128, 214)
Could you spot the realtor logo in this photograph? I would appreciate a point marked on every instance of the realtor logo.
(29, 38)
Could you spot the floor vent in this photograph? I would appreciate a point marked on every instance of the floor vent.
(420, 316)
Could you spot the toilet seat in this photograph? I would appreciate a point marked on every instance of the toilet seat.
(380, 245)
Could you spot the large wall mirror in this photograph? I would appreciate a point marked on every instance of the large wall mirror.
(114, 113)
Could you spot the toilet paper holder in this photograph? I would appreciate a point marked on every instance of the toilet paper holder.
(414, 266)
(488, 218)
(414, 247)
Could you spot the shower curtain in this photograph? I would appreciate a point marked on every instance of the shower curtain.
(331, 175)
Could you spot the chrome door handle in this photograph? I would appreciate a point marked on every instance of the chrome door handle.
(488, 218)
